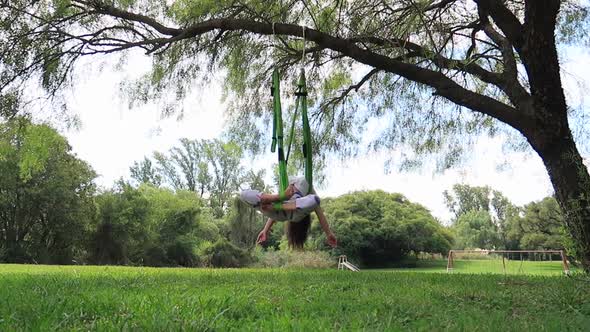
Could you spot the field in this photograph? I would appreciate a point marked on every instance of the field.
(511, 267)
(125, 298)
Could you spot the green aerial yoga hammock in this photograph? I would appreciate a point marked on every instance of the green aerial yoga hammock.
(277, 136)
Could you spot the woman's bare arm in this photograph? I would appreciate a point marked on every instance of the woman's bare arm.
(263, 235)
(325, 227)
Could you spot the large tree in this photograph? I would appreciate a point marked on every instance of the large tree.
(378, 229)
(46, 195)
(497, 58)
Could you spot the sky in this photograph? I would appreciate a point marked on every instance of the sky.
(112, 137)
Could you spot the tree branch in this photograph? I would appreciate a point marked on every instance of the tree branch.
(504, 19)
(348, 90)
(443, 85)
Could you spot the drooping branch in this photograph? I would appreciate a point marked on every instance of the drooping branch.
(103, 8)
(348, 90)
(436, 58)
(443, 85)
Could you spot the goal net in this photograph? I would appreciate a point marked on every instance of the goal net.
(539, 262)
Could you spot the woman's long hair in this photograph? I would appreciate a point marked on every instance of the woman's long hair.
(297, 232)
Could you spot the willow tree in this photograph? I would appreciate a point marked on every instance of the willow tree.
(438, 71)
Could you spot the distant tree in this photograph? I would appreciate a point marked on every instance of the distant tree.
(185, 166)
(465, 198)
(150, 226)
(226, 172)
(477, 201)
(46, 204)
(244, 224)
(179, 225)
(254, 180)
(541, 227)
(475, 230)
(210, 168)
(145, 172)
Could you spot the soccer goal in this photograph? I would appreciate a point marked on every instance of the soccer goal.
(543, 262)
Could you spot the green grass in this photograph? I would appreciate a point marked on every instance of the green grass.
(44, 298)
(511, 267)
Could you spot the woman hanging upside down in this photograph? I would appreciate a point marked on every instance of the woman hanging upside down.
(295, 211)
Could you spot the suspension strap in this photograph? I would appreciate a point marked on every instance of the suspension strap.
(277, 138)
(307, 143)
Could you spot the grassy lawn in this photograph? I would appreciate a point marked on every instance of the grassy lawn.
(115, 298)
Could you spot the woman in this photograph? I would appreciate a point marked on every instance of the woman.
(295, 211)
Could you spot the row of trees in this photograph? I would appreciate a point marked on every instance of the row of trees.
(52, 212)
(484, 218)
(179, 209)
(440, 72)
(209, 168)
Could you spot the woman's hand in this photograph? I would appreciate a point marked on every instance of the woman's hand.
(290, 191)
(261, 237)
(266, 207)
(332, 240)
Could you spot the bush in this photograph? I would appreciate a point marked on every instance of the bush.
(378, 229)
(182, 252)
(293, 259)
(224, 254)
(155, 256)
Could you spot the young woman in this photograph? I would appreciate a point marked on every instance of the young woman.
(295, 211)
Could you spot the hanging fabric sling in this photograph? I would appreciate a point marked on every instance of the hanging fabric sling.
(277, 137)
(277, 131)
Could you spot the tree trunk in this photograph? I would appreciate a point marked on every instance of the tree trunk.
(548, 131)
(571, 181)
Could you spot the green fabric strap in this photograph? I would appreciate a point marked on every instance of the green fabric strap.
(307, 144)
(278, 134)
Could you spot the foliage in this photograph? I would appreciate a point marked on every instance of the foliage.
(377, 228)
(46, 195)
(541, 227)
(122, 226)
(309, 259)
(421, 67)
(475, 230)
(148, 299)
(427, 35)
(225, 254)
(145, 172)
(244, 224)
(474, 206)
(210, 168)
(150, 226)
